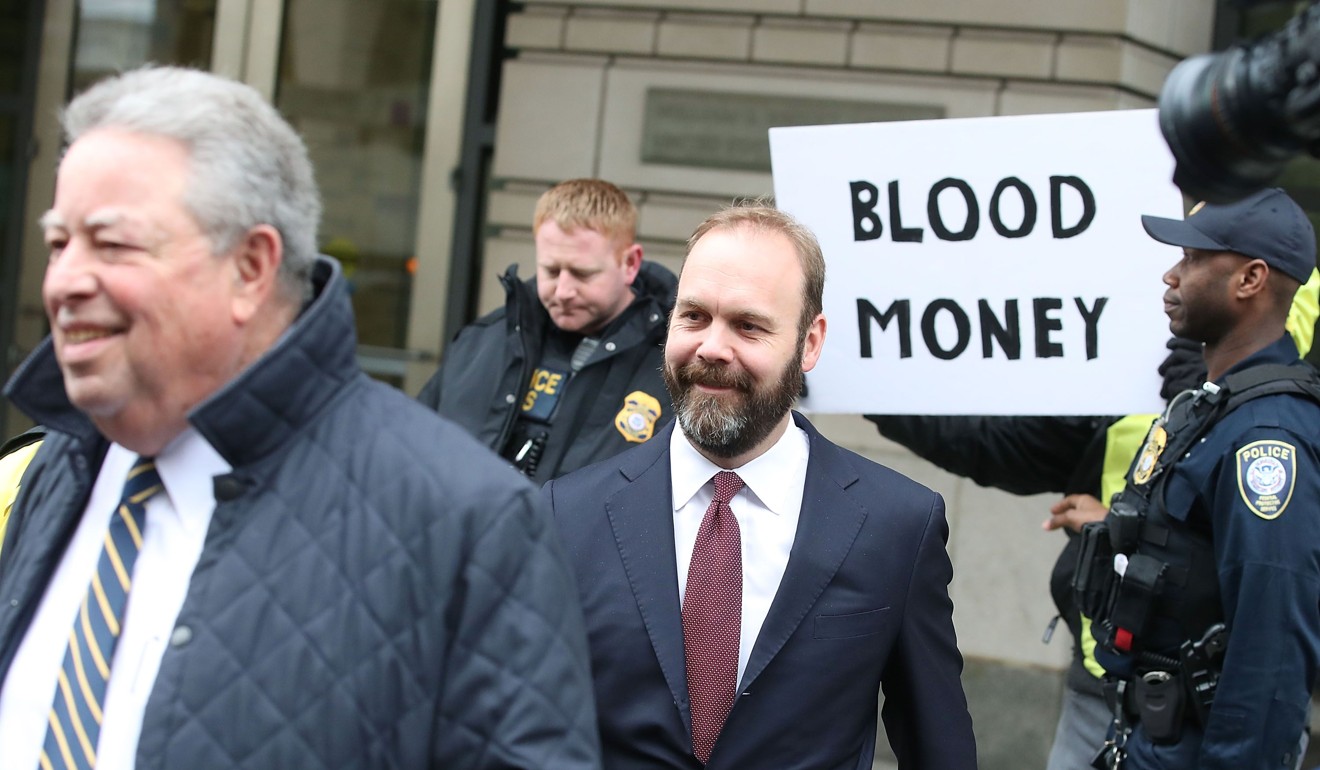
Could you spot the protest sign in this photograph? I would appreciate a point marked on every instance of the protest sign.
(986, 265)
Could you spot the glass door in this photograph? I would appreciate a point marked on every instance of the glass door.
(115, 35)
(353, 79)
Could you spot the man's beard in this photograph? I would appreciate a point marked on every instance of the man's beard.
(729, 424)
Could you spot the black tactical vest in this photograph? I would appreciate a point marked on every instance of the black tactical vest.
(1169, 591)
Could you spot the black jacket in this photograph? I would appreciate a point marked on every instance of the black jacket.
(1023, 456)
(1028, 455)
(488, 365)
(375, 589)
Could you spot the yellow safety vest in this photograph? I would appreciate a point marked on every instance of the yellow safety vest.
(12, 467)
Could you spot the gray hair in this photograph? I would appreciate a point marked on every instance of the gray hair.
(247, 164)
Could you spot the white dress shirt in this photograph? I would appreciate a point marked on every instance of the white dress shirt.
(766, 508)
(177, 520)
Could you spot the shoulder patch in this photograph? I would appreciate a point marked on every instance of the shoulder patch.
(636, 420)
(1266, 475)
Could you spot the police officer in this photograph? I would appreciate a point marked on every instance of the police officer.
(567, 373)
(1203, 581)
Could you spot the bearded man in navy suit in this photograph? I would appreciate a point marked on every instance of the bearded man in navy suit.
(750, 588)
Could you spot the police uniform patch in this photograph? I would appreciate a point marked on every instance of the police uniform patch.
(1266, 474)
(1156, 440)
(636, 420)
(543, 392)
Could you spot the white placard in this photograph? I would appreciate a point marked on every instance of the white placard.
(1045, 300)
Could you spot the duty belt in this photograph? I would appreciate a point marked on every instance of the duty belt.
(1163, 699)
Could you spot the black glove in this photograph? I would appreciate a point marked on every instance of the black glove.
(1183, 369)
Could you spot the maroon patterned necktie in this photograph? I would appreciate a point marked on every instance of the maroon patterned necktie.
(712, 616)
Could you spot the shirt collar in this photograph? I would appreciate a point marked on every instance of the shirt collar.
(764, 476)
(187, 467)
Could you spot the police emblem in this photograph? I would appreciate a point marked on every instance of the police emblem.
(636, 420)
(1156, 440)
(1266, 473)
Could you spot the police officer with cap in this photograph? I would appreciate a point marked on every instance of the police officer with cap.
(1203, 582)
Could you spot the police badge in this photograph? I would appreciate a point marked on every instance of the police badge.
(1156, 440)
(1266, 474)
(636, 420)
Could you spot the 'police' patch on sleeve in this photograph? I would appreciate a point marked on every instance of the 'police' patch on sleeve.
(543, 393)
(636, 420)
(1266, 473)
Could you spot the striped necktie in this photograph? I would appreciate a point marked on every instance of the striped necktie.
(75, 717)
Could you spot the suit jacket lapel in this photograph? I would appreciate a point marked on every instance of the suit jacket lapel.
(641, 515)
(827, 527)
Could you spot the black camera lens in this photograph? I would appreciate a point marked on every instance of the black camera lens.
(1234, 119)
(1223, 150)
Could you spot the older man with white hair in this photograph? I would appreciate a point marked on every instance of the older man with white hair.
(233, 548)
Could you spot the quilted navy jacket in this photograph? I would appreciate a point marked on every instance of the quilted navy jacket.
(376, 589)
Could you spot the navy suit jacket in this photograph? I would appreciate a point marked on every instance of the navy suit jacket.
(863, 605)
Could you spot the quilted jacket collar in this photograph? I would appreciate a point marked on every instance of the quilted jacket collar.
(255, 412)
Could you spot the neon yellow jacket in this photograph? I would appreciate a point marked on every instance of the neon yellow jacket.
(12, 467)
